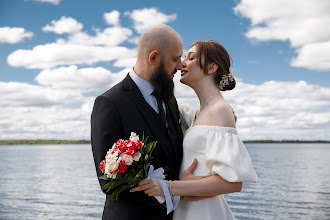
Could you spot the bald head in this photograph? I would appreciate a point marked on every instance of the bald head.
(158, 37)
(158, 47)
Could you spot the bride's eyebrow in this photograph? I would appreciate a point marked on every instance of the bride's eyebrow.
(189, 54)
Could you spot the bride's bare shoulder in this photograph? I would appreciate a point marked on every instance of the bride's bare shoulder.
(222, 114)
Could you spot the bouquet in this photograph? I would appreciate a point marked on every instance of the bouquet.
(126, 163)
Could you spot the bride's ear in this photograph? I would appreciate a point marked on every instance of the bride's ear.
(212, 68)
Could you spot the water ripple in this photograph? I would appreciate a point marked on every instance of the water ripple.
(59, 182)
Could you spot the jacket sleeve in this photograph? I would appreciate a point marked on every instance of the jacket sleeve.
(106, 129)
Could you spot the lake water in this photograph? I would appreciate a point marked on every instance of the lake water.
(59, 182)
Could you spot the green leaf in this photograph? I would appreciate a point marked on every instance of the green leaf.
(152, 148)
(120, 176)
(139, 174)
(148, 148)
(135, 180)
(129, 177)
(146, 169)
(104, 177)
(113, 184)
(146, 140)
(117, 191)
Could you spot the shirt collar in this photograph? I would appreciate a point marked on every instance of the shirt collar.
(144, 86)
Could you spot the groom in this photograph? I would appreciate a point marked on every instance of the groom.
(142, 103)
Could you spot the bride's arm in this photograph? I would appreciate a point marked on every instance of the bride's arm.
(190, 185)
(211, 183)
(209, 186)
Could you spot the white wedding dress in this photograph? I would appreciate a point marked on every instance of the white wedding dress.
(218, 151)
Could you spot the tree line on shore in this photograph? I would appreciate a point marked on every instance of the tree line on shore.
(19, 142)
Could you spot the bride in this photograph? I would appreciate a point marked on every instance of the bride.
(210, 138)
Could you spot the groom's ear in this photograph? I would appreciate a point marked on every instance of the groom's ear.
(153, 57)
(212, 68)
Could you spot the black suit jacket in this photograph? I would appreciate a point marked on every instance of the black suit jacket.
(118, 112)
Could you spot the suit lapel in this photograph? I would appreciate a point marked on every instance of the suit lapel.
(173, 108)
(174, 113)
(151, 117)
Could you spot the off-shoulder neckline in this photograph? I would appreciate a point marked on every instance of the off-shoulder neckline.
(213, 127)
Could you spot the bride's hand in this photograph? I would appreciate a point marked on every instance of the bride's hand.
(150, 186)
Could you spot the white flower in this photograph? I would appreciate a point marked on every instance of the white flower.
(134, 137)
(128, 159)
(136, 156)
(225, 78)
(107, 168)
(113, 167)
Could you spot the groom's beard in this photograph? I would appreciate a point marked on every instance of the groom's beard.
(163, 82)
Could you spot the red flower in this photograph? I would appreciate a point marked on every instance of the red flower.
(114, 151)
(122, 147)
(122, 168)
(102, 164)
(130, 151)
(136, 144)
(119, 142)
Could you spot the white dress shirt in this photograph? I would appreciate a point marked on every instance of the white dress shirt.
(146, 89)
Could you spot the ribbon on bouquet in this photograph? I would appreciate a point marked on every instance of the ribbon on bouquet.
(159, 174)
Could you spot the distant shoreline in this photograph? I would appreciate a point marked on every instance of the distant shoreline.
(18, 142)
(27, 142)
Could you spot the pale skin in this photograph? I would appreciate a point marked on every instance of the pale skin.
(214, 111)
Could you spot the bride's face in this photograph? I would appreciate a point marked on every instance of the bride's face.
(191, 73)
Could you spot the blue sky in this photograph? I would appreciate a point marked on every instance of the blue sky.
(74, 50)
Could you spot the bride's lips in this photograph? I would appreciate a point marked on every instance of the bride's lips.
(183, 72)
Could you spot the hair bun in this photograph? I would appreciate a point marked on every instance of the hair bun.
(227, 81)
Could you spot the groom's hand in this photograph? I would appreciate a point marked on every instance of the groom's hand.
(188, 173)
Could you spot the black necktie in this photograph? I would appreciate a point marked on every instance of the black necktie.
(160, 106)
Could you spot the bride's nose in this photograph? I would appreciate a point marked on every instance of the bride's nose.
(183, 63)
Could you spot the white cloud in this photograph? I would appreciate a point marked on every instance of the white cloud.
(60, 107)
(55, 2)
(72, 78)
(148, 17)
(314, 56)
(112, 17)
(64, 25)
(55, 122)
(125, 62)
(79, 48)
(108, 37)
(54, 54)
(253, 61)
(13, 35)
(302, 23)
(24, 94)
(274, 110)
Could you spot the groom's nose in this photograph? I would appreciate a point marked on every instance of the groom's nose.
(179, 65)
